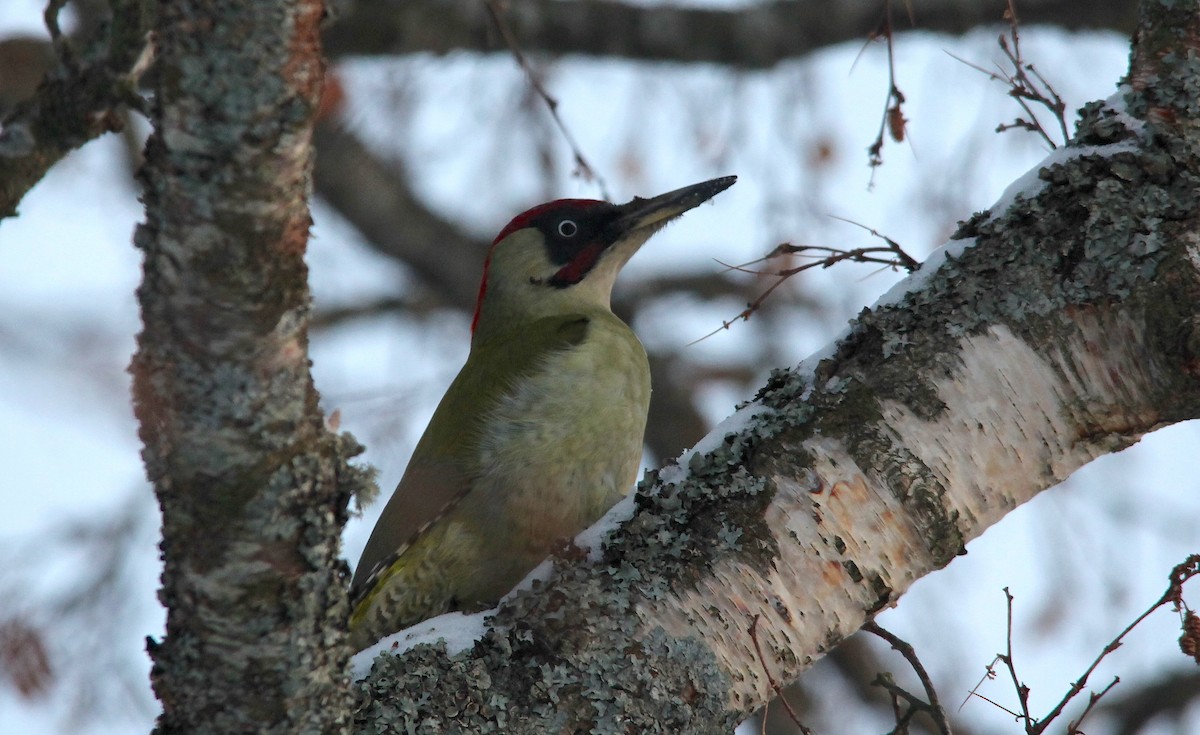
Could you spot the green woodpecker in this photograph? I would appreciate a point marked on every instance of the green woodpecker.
(540, 433)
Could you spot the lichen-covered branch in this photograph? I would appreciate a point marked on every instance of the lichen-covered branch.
(253, 487)
(77, 102)
(1058, 327)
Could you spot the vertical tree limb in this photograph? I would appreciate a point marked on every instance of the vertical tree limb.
(252, 485)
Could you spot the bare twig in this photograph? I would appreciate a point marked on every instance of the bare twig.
(901, 714)
(1179, 575)
(805, 730)
(989, 674)
(905, 260)
(1093, 698)
(1169, 696)
(1026, 85)
(893, 122)
(994, 703)
(1007, 658)
(582, 167)
(892, 256)
(932, 706)
(62, 47)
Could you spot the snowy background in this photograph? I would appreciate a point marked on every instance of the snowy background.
(1082, 560)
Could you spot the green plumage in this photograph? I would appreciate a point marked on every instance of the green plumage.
(540, 433)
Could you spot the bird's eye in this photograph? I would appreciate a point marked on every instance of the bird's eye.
(568, 228)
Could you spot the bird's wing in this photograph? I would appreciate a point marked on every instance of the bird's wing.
(441, 470)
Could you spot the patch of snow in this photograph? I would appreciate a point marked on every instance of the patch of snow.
(735, 423)
(540, 573)
(593, 538)
(1116, 103)
(917, 280)
(808, 366)
(1026, 186)
(1029, 184)
(460, 631)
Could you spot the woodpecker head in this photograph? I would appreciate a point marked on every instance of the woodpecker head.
(567, 253)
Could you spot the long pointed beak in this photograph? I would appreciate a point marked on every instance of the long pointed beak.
(657, 211)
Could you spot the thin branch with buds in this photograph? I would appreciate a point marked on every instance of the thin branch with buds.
(988, 675)
(1026, 85)
(893, 122)
(1007, 658)
(1180, 574)
(1093, 699)
(891, 255)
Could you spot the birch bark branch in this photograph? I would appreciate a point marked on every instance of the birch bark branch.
(1056, 328)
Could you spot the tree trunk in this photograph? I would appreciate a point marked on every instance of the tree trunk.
(252, 485)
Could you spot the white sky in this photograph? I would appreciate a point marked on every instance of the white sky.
(1081, 560)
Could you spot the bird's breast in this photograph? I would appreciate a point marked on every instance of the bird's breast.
(564, 442)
